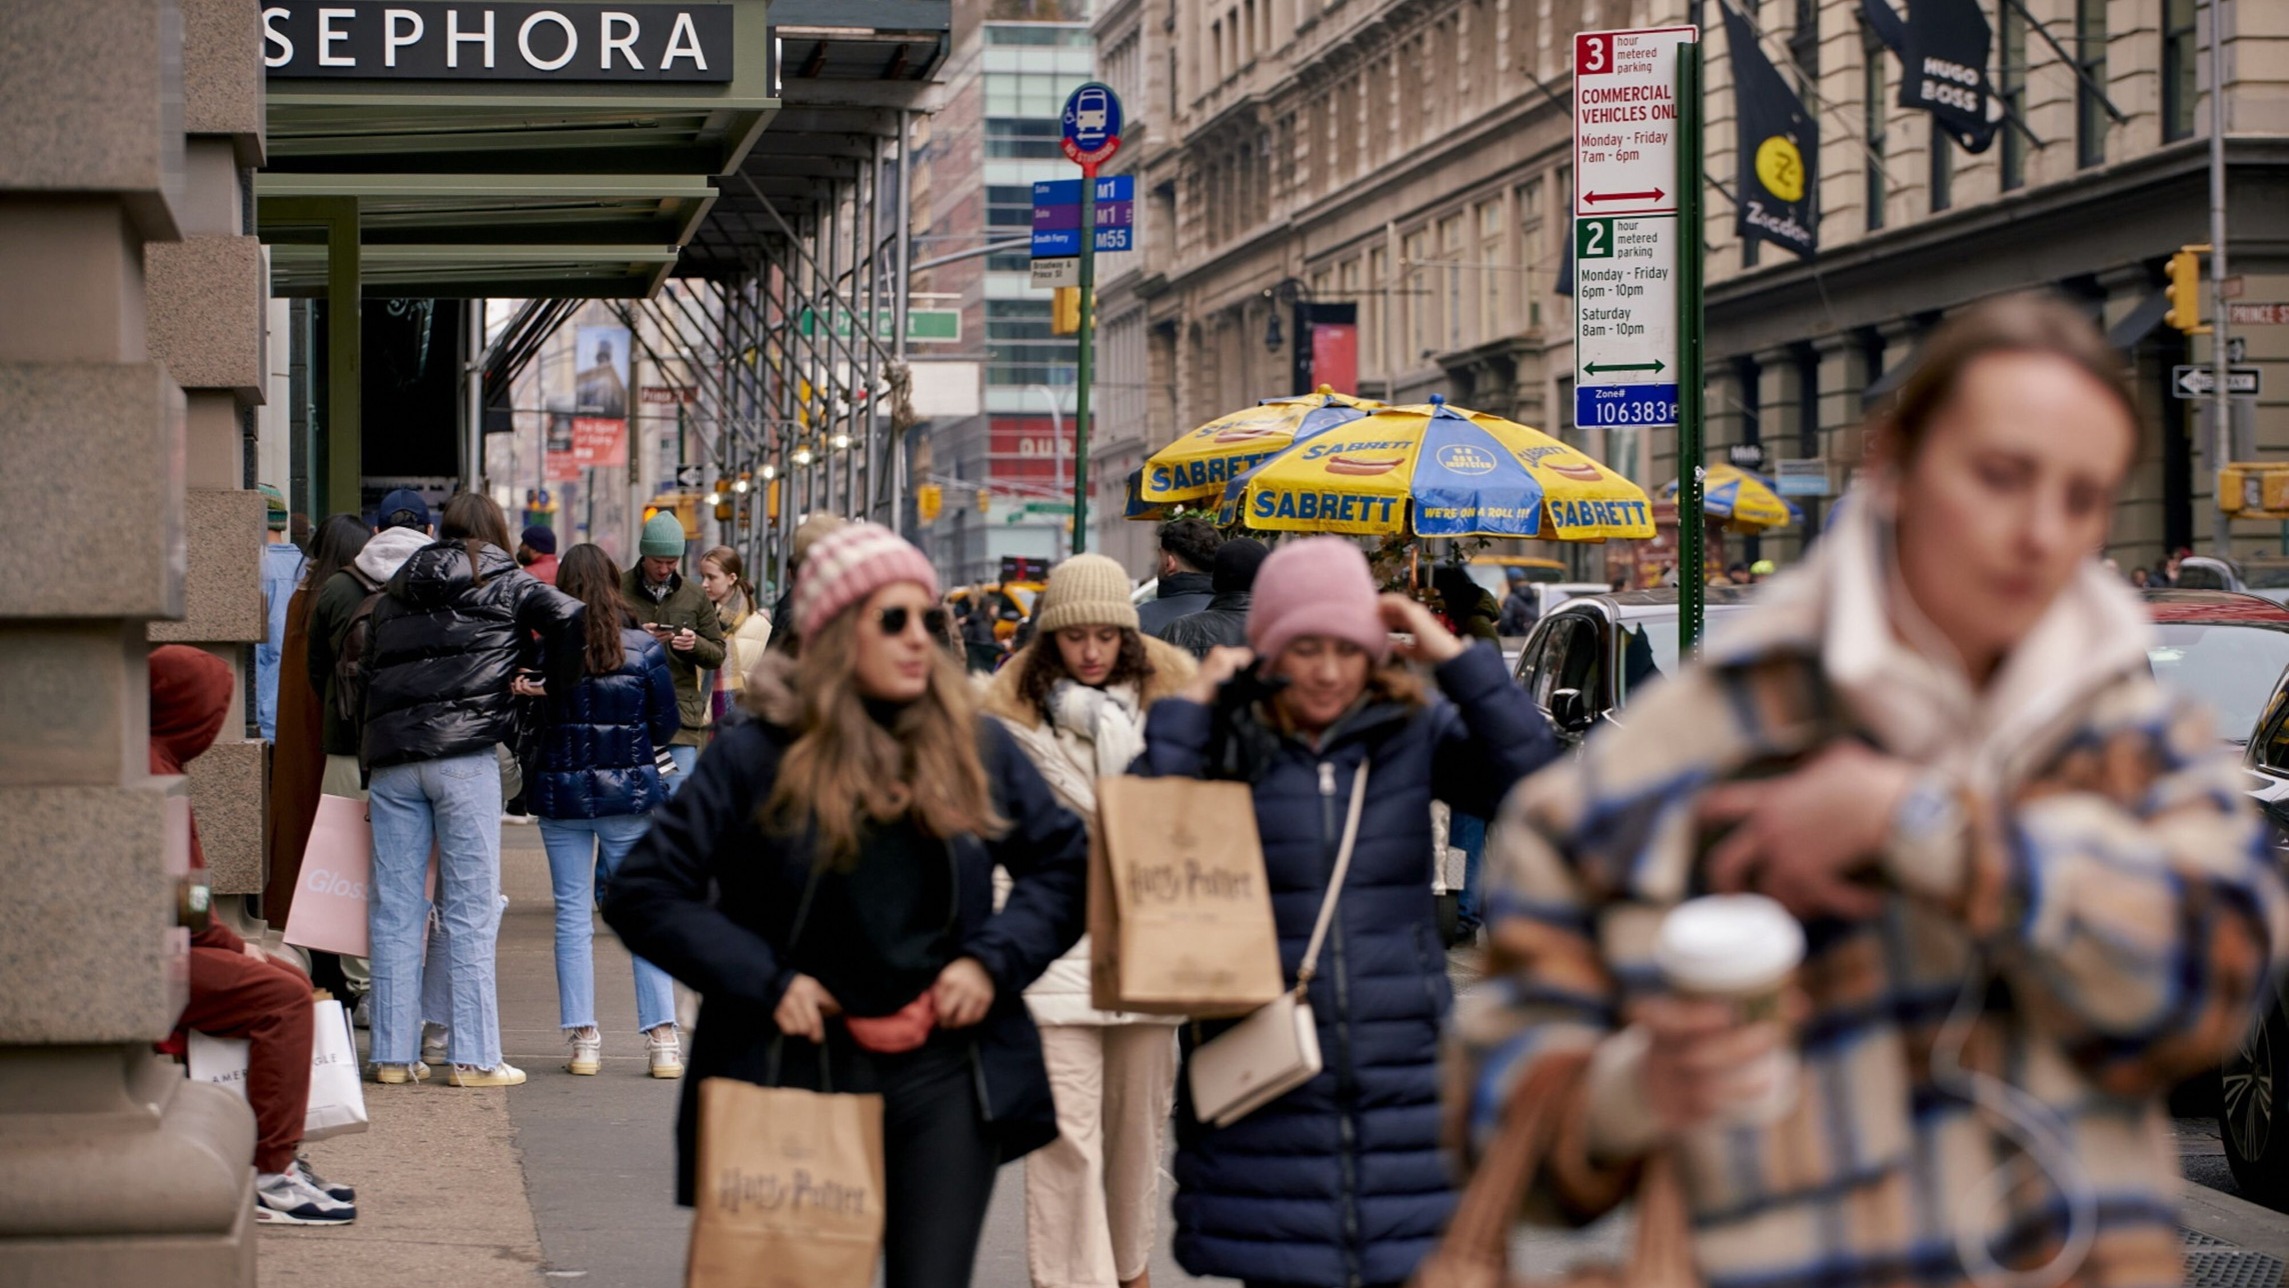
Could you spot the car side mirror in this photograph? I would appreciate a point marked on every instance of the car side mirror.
(1570, 711)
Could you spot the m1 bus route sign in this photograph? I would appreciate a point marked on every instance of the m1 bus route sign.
(1625, 120)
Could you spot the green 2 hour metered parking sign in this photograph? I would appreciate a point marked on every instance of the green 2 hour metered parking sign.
(1593, 239)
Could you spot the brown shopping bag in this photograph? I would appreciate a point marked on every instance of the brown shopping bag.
(789, 1188)
(1180, 914)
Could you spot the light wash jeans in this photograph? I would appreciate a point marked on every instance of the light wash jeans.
(685, 758)
(455, 803)
(583, 852)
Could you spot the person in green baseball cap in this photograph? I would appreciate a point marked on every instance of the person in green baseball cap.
(677, 613)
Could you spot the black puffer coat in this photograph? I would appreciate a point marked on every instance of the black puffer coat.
(443, 647)
(597, 752)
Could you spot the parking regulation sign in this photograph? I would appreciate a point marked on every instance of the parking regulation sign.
(1091, 124)
(1625, 120)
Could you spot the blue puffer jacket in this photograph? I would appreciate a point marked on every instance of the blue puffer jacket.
(597, 753)
(1341, 1181)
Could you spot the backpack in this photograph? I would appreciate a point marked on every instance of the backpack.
(349, 677)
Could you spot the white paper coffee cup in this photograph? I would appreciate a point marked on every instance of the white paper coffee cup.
(1741, 948)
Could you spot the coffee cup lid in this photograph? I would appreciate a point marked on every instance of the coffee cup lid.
(1725, 943)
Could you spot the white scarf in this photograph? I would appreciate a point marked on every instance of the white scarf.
(1100, 732)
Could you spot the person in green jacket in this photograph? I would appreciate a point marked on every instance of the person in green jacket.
(678, 613)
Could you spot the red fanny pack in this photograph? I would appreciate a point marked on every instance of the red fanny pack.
(898, 1032)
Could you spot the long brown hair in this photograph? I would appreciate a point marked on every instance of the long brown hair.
(846, 770)
(2028, 322)
(588, 574)
(472, 519)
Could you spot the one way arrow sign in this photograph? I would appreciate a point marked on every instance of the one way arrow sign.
(2201, 382)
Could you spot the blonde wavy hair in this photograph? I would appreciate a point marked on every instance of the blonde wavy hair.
(846, 771)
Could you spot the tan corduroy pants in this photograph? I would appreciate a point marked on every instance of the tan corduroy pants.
(1092, 1196)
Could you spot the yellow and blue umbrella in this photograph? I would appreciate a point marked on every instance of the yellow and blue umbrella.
(1746, 502)
(1197, 466)
(1439, 471)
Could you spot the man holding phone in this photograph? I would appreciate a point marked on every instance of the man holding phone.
(677, 612)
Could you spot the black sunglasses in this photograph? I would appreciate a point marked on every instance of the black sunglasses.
(894, 620)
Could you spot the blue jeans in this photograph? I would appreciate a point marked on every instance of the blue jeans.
(1467, 833)
(685, 758)
(580, 852)
(454, 803)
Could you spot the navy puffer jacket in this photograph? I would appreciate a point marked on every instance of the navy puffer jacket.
(1341, 1182)
(597, 755)
(443, 646)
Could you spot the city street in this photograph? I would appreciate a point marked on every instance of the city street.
(565, 1181)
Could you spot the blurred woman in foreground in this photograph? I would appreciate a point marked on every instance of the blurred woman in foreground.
(2032, 891)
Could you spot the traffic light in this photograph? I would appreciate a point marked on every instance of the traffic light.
(985, 501)
(1065, 311)
(2185, 290)
(723, 500)
(929, 501)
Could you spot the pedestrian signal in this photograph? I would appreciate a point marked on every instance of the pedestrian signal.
(2185, 291)
(929, 501)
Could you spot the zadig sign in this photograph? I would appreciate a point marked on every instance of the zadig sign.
(425, 40)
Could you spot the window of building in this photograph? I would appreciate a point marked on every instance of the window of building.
(1009, 214)
(1493, 270)
(1371, 309)
(1531, 248)
(1020, 350)
(1216, 44)
(1942, 168)
(1075, 36)
(1451, 280)
(1414, 278)
(2089, 98)
(2181, 81)
(1016, 136)
(1248, 33)
(2011, 62)
(1873, 118)
(1804, 44)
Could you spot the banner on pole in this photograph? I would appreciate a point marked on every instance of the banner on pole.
(1779, 146)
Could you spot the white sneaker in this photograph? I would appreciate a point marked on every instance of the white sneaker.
(284, 1198)
(587, 1053)
(665, 1052)
(436, 1043)
(362, 1014)
(503, 1074)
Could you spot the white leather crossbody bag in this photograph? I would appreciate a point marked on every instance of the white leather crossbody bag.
(1276, 1048)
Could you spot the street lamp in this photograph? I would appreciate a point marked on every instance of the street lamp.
(1285, 291)
(840, 442)
(803, 454)
(770, 472)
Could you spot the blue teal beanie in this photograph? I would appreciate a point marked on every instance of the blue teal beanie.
(663, 537)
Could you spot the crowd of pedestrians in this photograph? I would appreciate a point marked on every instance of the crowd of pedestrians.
(2030, 892)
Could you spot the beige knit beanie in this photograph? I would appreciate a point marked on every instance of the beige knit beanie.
(1086, 590)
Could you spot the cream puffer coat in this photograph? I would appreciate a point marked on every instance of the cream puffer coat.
(1091, 734)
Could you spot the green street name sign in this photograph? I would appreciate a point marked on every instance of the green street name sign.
(923, 326)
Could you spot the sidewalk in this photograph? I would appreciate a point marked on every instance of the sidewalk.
(567, 1181)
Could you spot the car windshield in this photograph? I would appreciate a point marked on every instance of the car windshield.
(2232, 667)
(1649, 646)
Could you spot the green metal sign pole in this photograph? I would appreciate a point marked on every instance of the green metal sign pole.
(1692, 574)
(1087, 329)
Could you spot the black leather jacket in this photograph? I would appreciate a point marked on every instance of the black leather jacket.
(443, 647)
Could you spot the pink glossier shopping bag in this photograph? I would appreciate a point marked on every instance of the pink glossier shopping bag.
(330, 899)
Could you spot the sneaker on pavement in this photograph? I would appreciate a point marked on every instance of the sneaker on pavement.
(392, 1075)
(436, 1039)
(283, 1198)
(587, 1053)
(338, 1193)
(503, 1074)
(665, 1052)
(362, 1014)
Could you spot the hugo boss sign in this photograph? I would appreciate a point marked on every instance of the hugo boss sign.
(418, 40)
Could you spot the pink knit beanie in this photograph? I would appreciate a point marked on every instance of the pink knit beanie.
(849, 564)
(1317, 586)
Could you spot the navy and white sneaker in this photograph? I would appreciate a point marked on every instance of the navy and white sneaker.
(338, 1193)
(283, 1198)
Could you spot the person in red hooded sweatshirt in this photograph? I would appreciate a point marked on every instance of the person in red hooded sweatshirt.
(236, 990)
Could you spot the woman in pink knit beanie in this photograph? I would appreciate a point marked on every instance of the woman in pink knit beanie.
(1312, 716)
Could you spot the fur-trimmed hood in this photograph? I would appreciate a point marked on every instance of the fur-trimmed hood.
(1172, 669)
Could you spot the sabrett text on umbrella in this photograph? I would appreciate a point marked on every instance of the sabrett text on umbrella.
(1318, 450)
(1329, 507)
(1202, 473)
(1602, 514)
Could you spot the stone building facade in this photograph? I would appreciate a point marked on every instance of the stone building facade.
(1413, 157)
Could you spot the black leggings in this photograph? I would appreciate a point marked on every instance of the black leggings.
(940, 1166)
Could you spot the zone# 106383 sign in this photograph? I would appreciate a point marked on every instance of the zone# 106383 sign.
(427, 40)
(1625, 226)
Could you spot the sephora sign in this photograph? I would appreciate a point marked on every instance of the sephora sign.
(429, 40)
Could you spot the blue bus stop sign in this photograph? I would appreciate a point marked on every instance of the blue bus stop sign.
(1091, 124)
